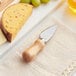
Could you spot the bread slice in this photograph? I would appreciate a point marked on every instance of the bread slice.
(14, 18)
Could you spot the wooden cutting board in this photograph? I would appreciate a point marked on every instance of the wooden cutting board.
(4, 3)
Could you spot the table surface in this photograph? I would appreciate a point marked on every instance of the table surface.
(57, 58)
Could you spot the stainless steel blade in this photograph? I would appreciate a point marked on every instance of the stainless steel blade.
(47, 34)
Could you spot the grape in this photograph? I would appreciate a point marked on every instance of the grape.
(36, 2)
(25, 1)
(45, 1)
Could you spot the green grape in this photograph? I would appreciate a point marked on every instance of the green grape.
(45, 1)
(25, 1)
(36, 2)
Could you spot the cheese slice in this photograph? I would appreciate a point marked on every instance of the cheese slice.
(13, 19)
(2, 38)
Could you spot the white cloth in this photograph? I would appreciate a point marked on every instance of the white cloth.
(57, 58)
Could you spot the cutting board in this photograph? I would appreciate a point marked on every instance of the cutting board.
(4, 4)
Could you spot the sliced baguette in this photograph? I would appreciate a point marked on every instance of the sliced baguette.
(14, 18)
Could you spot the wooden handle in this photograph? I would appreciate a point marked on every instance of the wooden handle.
(30, 53)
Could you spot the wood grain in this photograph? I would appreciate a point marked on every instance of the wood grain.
(4, 3)
(33, 50)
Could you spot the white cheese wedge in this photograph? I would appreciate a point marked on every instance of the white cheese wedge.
(2, 38)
